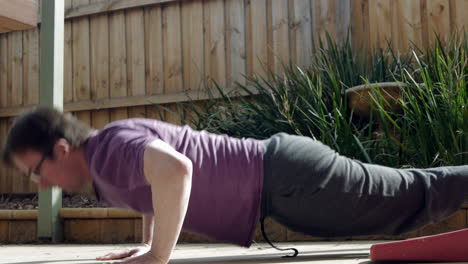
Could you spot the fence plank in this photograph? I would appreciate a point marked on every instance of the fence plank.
(3, 169)
(15, 69)
(192, 44)
(257, 37)
(135, 52)
(81, 60)
(137, 112)
(15, 181)
(100, 118)
(424, 22)
(280, 34)
(154, 112)
(438, 18)
(380, 22)
(343, 19)
(85, 117)
(100, 61)
(99, 35)
(407, 27)
(301, 32)
(117, 55)
(118, 114)
(173, 79)
(235, 42)
(174, 116)
(360, 23)
(3, 69)
(214, 42)
(68, 59)
(460, 22)
(325, 20)
(9, 172)
(154, 51)
(31, 66)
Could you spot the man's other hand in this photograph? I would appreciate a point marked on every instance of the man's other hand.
(126, 253)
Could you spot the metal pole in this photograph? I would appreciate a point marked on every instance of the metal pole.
(51, 93)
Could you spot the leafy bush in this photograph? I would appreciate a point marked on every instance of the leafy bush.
(311, 102)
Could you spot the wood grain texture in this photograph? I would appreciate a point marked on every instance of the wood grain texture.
(343, 19)
(192, 44)
(280, 35)
(257, 57)
(380, 19)
(407, 25)
(31, 67)
(360, 23)
(118, 114)
(215, 52)
(172, 56)
(135, 36)
(3, 169)
(137, 112)
(154, 73)
(15, 69)
(3, 69)
(325, 19)
(81, 56)
(438, 13)
(117, 55)
(301, 32)
(99, 45)
(235, 42)
(100, 118)
(68, 58)
(458, 15)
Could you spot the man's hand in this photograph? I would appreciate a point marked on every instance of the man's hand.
(146, 258)
(126, 253)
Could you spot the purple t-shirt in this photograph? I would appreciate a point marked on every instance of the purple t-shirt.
(227, 175)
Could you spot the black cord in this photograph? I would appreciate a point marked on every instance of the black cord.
(296, 252)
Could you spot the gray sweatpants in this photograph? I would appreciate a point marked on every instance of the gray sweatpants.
(312, 189)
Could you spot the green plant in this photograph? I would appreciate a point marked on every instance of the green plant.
(311, 102)
(353, 67)
(434, 126)
(295, 102)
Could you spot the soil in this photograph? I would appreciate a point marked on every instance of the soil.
(30, 201)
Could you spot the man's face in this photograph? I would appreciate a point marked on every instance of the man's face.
(47, 172)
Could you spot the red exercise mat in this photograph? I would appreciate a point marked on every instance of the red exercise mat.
(451, 246)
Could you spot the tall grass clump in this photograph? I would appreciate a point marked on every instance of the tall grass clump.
(434, 124)
(295, 102)
(353, 67)
(310, 101)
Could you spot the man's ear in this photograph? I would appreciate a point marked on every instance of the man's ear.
(61, 148)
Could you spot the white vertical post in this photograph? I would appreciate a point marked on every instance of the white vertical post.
(51, 93)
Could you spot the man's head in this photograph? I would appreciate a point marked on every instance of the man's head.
(41, 141)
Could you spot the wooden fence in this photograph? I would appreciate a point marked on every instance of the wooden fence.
(123, 56)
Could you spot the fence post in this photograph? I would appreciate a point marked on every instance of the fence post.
(51, 94)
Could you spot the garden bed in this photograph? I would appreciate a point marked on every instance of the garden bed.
(30, 201)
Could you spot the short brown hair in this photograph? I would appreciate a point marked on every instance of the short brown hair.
(39, 128)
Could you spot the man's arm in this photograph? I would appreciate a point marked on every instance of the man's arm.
(170, 175)
(147, 229)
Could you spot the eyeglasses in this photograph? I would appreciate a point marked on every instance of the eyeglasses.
(34, 175)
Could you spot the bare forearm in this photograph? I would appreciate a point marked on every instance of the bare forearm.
(147, 229)
(172, 203)
(170, 175)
